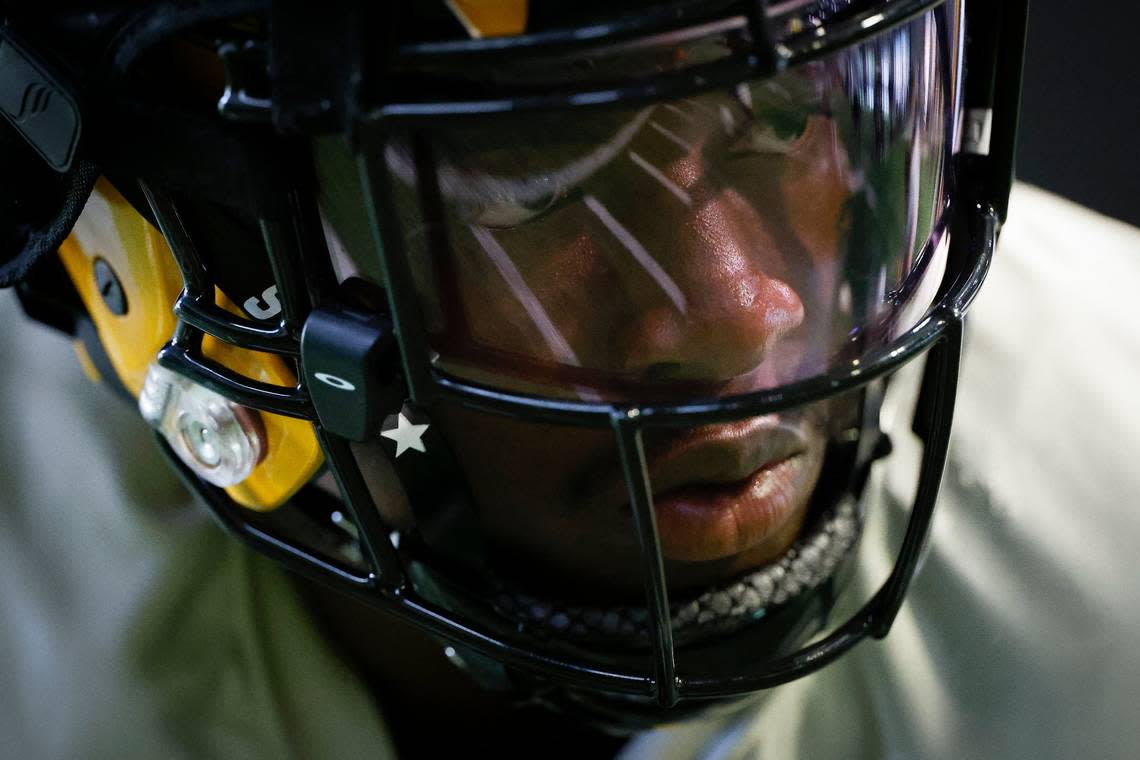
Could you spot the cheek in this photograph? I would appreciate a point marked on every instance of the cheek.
(815, 185)
(531, 486)
(522, 471)
(579, 287)
(555, 276)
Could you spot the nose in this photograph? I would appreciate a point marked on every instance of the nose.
(731, 309)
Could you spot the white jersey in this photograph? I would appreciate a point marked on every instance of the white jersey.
(1020, 636)
(130, 627)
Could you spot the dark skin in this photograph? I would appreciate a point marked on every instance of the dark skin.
(748, 319)
(751, 263)
(587, 284)
(732, 314)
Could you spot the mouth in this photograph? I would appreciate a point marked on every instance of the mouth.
(737, 494)
(726, 490)
(704, 522)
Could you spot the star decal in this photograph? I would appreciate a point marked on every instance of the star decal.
(406, 435)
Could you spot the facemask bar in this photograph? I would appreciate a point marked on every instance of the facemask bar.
(383, 585)
(940, 334)
(299, 284)
(766, 56)
(198, 315)
(627, 422)
(632, 452)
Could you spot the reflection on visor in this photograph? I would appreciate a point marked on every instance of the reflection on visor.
(726, 243)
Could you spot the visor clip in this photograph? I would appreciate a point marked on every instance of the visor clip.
(349, 361)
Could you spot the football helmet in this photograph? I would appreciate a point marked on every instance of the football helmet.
(559, 330)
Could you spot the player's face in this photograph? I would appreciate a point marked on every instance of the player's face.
(683, 250)
(740, 240)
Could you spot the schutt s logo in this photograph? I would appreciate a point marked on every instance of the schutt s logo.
(36, 99)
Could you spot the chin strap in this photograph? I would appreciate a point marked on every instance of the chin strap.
(77, 185)
(47, 182)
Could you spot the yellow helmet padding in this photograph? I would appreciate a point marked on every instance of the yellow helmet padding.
(491, 18)
(109, 228)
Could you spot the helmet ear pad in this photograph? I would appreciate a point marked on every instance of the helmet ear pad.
(28, 203)
(38, 211)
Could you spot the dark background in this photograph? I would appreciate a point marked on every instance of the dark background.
(1080, 119)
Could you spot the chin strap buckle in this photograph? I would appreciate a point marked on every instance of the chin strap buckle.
(349, 360)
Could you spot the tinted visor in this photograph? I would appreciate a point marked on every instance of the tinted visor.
(729, 242)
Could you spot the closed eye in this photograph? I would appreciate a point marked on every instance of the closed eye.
(758, 138)
(506, 213)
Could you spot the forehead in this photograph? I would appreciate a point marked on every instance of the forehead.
(555, 141)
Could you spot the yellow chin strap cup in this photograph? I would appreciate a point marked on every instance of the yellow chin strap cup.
(260, 458)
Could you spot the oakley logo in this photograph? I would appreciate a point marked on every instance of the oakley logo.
(36, 99)
(337, 382)
(265, 307)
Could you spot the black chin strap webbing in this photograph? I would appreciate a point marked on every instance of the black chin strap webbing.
(76, 186)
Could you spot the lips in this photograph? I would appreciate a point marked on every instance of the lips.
(706, 522)
(724, 490)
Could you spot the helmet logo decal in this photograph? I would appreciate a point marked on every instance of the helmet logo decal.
(266, 307)
(38, 103)
(337, 382)
(37, 98)
(405, 434)
(490, 18)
